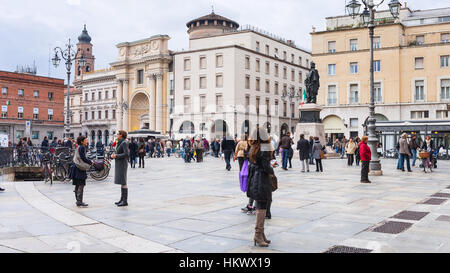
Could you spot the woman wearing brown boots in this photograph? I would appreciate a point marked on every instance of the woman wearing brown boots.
(259, 184)
(79, 168)
(120, 173)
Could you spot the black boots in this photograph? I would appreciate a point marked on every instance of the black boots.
(1, 189)
(123, 200)
(79, 197)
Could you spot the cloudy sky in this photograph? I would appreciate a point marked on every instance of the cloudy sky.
(30, 28)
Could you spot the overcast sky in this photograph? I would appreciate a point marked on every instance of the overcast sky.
(29, 28)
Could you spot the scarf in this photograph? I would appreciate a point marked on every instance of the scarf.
(119, 141)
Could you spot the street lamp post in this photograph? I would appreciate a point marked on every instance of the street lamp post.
(368, 18)
(69, 55)
(290, 95)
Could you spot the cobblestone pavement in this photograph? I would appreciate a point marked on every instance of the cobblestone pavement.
(176, 207)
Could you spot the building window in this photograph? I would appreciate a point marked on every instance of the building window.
(219, 81)
(293, 75)
(332, 47)
(187, 64)
(276, 70)
(257, 105)
(20, 92)
(257, 46)
(300, 61)
(36, 93)
(300, 77)
(140, 76)
(376, 42)
(247, 62)
(202, 62)
(114, 114)
(4, 112)
(276, 88)
(378, 96)
(419, 63)
(106, 114)
(247, 82)
(99, 95)
(88, 69)
(106, 94)
(92, 115)
(353, 68)
(267, 50)
(420, 91)
(50, 117)
(420, 40)
(93, 96)
(202, 82)
(332, 69)
(187, 83)
(292, 58)
(307, 63)
(284, 109)
(267, 68)
(332, 95)
(292, 111)
(353, 123)
(268, 107)
(187, 104)
(50, 95)
(258, 84)
(99, 115)
(219, 60)
(276, 108)
(267, 86)
(284, 88)
(445, 89)
(219, 104)
(445, 38)
(247, 104)
(377, 66)
(442, 114)
(202, 103)
(284, 55)
(35, 135)
(50, 134)
(444, 61)
(285, 73)
(276, 53)
(4, 90)
(353, 44)
(86, 97)
(20, 112)
(258, 62)
(86, 116)
(354, 94)
(35, 114)
(19, 134)
(420, 114)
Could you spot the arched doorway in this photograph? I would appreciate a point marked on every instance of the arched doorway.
(106, 137)
(92, 136)
(284, 129)
(219, 129)
(187, 127)
(100, 136)
(268, 127)
(334, 127)
(139, 109)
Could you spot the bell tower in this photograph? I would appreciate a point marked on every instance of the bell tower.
(84, 45)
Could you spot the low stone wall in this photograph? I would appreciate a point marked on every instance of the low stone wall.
(11, 174)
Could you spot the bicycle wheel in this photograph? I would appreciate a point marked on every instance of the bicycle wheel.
(101, 175)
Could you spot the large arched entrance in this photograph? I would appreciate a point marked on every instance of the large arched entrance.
(106, 137)
(187, 127)
(100, 136)
(334, 127)
(139, 109)
(219, 129)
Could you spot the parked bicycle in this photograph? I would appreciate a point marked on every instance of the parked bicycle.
(46, 162)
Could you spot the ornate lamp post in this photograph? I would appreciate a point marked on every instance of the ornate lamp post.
(69, 55)
(290, 95)
(368, 18)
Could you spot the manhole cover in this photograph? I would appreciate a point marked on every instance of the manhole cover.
(410, 215)
(434, 201)
(347, 249)
(441, 194)
(392, 227)
(444, 218)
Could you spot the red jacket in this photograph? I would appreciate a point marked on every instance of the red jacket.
(364, 151)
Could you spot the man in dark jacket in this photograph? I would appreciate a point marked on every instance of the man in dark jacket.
(187, 150)
(311, 157)
(413, 146)
(54, 143)
(304, 149)
(44, 145)
(228, 147)
(286, 143)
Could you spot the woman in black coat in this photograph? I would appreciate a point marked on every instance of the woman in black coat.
(259, 183)
(121, 157)
(133, 152)
(79, 176)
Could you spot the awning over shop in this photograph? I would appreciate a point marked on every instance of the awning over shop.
(333, 125)
(439, 126)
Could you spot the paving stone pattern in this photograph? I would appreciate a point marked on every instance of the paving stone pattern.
(177, 207)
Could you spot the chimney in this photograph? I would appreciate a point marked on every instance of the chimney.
(406, 5)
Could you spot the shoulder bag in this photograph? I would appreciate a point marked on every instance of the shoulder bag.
(79, 163)
(274, 182)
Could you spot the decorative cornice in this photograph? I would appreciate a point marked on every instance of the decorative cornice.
(159, 57)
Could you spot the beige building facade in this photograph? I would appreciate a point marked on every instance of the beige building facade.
(412, 73)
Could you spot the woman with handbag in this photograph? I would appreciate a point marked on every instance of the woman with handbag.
(141, 152)
(259, 179)
(242, 154)
(120, 173)
(78, 172)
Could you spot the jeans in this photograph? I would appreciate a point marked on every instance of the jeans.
(404, 157)
(337, 150)
(414, 156)
(311, 158)
(168, 152)
(342, 152)
(350, 159)
(284, 156)
(227, 155)
(365, 171)
(141, 160)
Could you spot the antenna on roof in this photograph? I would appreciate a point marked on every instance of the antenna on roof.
(212, 6)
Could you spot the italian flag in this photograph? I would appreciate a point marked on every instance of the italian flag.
(304, 98)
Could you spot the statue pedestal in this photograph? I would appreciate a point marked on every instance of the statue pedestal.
(310, 123)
